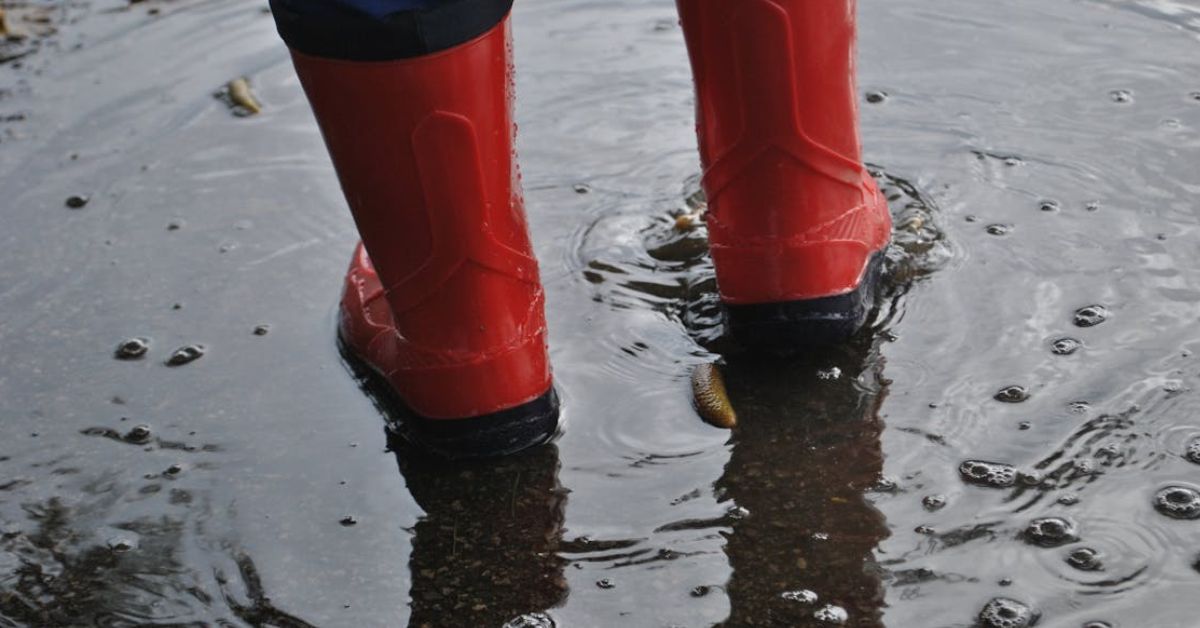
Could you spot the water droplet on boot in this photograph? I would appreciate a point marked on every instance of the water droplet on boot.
(1012, 394)
(1179, 502)
(934, 502)
(185, 355)
(1065, 346)
(989, 474)
(800, 596)
(831, 614)
(132, 349)
(1085, 559)
(1090, 316)
(1050, 532)
(77, 201)
(1003, 612)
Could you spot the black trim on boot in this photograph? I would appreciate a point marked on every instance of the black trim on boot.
(340, 32)
(495, 434)
(787, 326)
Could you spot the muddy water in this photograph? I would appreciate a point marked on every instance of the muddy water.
(1043, 156)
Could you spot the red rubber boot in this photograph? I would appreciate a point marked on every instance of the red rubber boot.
(416, 111)
(796, 225)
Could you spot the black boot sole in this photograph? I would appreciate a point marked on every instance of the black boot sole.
(790, 326)
(486, 436)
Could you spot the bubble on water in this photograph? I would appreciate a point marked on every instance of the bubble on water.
(530, 620)
(1121, 95)
(1178, 501)
(262, 330)
(1090, 316)
(1085, 559)
(348, 520)
(1097, 624)
(175, 225)
(999, 229)
(605, 583)
(876, 96)
(1079, 407)
(1005, 612)
(77, 201)
(1049, 205)
(581, 188)
(1192, 454)
(186, 354)
(700, 591)
(1092, 206)
(1012, 394)
(1065, 346)
(1024, 425)
(800, 596)
(820, 536)
(1068, 500)
(1013, 161)
(988, 474)
(831, 614)
(132, 349)
(138, 434)
(1050, 532)
(121, 544)
(174, 469)
(933, 502)
(925, 530)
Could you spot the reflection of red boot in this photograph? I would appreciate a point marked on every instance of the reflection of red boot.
(416, 111)
(796, 224)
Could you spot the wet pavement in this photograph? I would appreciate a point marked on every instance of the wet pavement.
(1014, 441)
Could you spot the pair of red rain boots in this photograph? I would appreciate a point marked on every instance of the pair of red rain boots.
(416, 111)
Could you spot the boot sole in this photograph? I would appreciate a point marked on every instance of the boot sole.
(490, 435)
(788, 326)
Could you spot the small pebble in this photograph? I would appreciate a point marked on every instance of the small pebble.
(77, 201)
(185, 355)
(1065, 346)
(831, 614)
(1090, 316)
(1085, 559)
(1003, 612)
(1050, 532)
(999, 229)
(1012, 394)
(132, 349)
(800, 596)
(138, 434)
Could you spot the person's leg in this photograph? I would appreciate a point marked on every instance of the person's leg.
(797, 226)
(415, 105)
